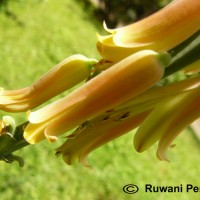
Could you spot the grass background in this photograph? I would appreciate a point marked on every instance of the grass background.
(43, 34)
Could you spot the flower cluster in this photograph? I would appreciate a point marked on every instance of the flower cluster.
(121, 92)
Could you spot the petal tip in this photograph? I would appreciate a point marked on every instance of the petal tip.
(83, 160)
(50, 138)
(29, 138)
(112, 31)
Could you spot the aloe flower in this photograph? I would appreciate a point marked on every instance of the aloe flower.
(120, 120)
(160, 32)
(63, 76)
(124, 80)
(168, 119)
(101, 130)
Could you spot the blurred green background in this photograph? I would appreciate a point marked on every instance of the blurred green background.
(34, 36)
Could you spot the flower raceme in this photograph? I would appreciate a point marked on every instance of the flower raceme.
(121, 92)
(122, 119)
(160, 32)
(124, 80)
(63, 76)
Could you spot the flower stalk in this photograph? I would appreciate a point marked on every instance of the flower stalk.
(184, 54)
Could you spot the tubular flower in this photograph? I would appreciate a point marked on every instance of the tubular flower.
(120, 120)
(160, 93)
(121, 82)
(63, 76)
(103, 129)
(167, 121)
(160, 32)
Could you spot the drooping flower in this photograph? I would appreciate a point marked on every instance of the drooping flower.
(102, 129)
(159, 93)
(63, 76)
(120, 120)
(160, 32)
(168, 119)
(124, 80)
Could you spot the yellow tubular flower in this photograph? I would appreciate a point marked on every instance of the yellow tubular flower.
(63, 76)
(103, 129)
(187, 111)
(157, 94)
(119, 121)
(167, 121)
(124, 80)
(160, 32)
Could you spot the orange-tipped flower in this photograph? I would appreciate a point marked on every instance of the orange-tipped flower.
(63, 76)
(167, 121)
(124, 80)
(160, 32)
(120, 120)
(100, 130)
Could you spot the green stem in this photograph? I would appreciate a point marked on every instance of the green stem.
(184, 54)
(9, 144)
(20, 141)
